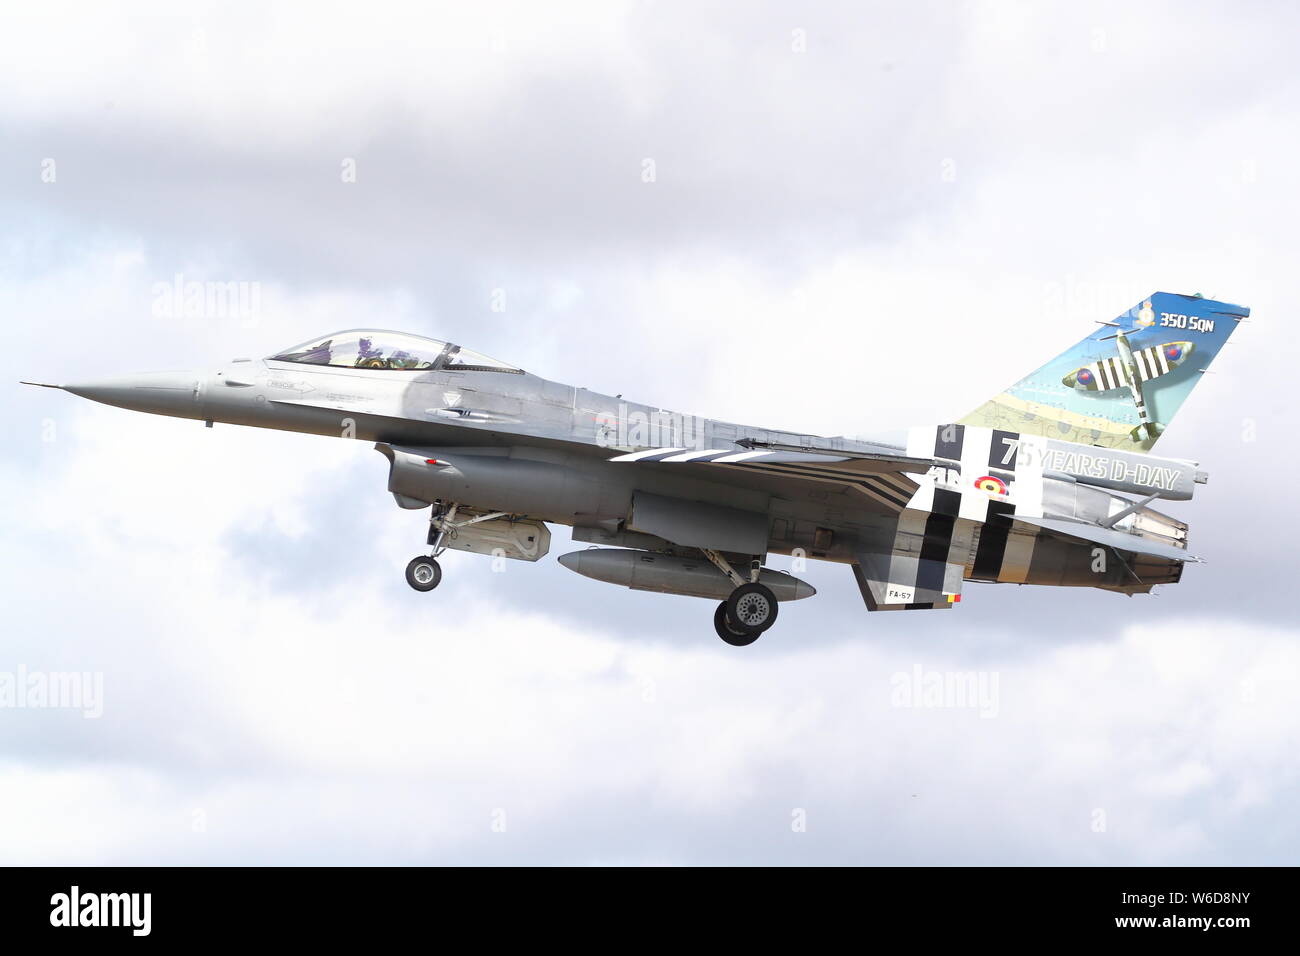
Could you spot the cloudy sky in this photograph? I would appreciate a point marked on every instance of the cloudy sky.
(680, 202)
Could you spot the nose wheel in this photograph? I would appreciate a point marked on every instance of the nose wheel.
(423, 573)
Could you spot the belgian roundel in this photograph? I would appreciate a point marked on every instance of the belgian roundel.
(991, 485)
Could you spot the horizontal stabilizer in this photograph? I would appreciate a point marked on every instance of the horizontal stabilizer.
(1119, 540)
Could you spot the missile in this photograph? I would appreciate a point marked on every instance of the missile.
(669, 574)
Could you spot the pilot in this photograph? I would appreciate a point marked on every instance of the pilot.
(368, 356)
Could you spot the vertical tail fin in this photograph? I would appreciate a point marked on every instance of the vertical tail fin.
(1124, 383)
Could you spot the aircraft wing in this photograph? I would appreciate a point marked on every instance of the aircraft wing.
(880, 474)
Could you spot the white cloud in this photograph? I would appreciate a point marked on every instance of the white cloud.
(248, 77)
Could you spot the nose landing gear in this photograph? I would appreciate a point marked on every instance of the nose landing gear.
(423, 572)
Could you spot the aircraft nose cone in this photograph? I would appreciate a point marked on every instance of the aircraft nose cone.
(162, 393)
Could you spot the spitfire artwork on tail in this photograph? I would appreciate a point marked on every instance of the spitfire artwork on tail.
(1030, 488)
(1129, 369)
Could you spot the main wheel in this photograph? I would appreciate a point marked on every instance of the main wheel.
(752, 608)
(727, 633)
(423, 573)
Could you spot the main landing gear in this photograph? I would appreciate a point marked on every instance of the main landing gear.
(749, 610)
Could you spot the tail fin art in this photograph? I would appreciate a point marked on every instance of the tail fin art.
(1123, 384)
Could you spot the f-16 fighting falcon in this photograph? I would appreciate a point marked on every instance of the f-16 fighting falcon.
(1049, 482)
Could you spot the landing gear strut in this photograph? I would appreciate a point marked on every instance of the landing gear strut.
(750, 609)
(423, 572)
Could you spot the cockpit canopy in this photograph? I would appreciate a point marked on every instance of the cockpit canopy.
(394, 351)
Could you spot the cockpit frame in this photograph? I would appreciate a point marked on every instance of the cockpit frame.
(386, 351)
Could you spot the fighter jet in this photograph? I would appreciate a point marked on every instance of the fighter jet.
(1050, 482)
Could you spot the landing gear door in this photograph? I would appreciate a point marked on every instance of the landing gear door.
(522, 539)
